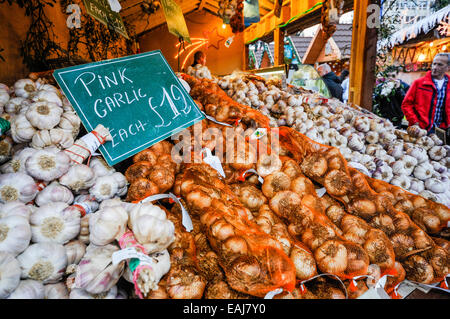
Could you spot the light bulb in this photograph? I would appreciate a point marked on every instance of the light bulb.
(224, 25)
(421, 57)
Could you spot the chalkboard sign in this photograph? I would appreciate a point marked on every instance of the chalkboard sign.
(138, 97)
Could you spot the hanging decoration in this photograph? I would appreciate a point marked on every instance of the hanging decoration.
(331, 12)
(227, 9)
(251, 12)
(175, 19)
(237, 20)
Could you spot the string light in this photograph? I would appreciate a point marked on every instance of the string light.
(224, 25)
(421, 57)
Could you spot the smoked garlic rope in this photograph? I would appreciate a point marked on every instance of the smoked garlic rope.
(254, 263)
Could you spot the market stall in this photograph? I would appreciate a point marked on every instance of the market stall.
(141, 176)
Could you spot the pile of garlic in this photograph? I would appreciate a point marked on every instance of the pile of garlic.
(199, 71)
(39, 113)
(409, 159)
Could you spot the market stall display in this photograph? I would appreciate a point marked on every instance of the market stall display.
(292, 220)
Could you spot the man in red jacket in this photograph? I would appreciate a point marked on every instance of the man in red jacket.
(427, 102)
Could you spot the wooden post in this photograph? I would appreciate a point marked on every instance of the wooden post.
(278, 38)
(363, 57)
(245, 58)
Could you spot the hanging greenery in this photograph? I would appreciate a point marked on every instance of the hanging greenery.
(96, 41)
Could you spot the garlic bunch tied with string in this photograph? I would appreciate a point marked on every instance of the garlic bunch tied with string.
(10, 274)
(95, 272)
(55, 136)
(45, 262)
(150, 276)
(22, 131)
(108, 186)
(151, 227)
(51, 223)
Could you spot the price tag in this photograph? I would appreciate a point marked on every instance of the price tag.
(213, 161)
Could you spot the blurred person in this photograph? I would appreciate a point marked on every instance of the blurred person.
(199, 58)
(331, 80)
(427, 102)
(345, 79)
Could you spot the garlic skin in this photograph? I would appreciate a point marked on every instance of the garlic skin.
(54, 192)
(56, 291)
(28, 289)
(51, 223)
(435, 185)
(437, 153)
(423, 171)
(95, 272)
(15, 234)
(44, 115)
(48, 94)
(21, 129)
(17, 163)
(77, 293)
(24, 87)
(55, 136)
(15, 208)
(10, 274)
(401, 181)
(151, 227)
(75, 250)
(47, 165)
(105, 187)
(78, 177)
(107, 224)
(100, 167)
(44, 262)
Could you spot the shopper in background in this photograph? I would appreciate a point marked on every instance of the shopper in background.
(427, 102)
(199, 58)
(345, 79)
(331, 80)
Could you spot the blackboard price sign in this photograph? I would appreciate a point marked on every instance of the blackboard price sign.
(138, 98)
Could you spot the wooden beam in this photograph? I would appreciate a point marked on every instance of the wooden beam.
(201, 5)
(278, 36)
(363, 57)
(315, 47)
(245, 58)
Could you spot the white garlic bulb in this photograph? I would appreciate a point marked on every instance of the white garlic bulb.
(78, 177)
(95, 272)
(47, 165)
(24, 87)
(15, 234)
(384, 173)
(44, 262)
(70, 122)
(75, 250)
(6, 147)
(44, 115)
(15, 208)
(17, 186)
(105, 187)
(398, 168)
(54, 192)
(425, 142)
(78, 293)
(56, 136)
(401, 181)
(437, 153)
(418, 153)
(17, 163)
(355, 143)
(416, 186)
(28, 289)
(396, 150)
(151, 227)
(435, 185)
(410, 162)
(107, 225)
(48, 95)
(56, 291)
(372, 137)
(21, 129)
(423, 171)
(100, 167)
(51, 223)
(9, 274)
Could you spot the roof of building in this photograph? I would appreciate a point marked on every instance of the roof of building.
(342, 36)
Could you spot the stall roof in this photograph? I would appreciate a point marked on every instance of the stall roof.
(137, 13)
(420, 28)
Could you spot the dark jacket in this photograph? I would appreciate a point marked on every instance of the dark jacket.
(333, 84)
(419, 105)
